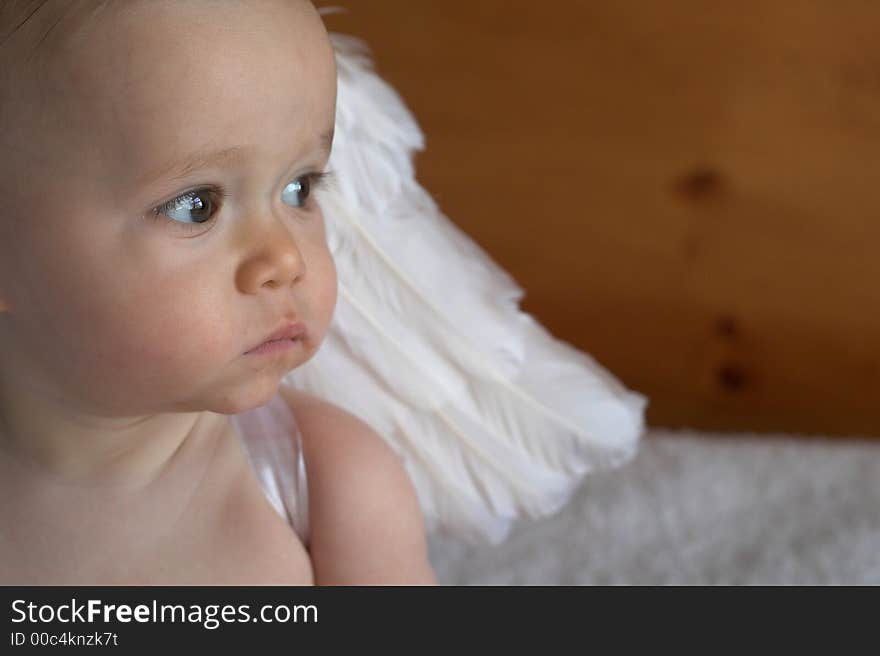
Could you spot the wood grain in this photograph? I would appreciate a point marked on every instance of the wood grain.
(686, 190)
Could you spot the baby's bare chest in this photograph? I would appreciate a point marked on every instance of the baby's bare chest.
(251, 545)
(209, 559)
(224, 533)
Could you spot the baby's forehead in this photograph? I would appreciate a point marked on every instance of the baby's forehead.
(271, 85)
(40, 26)
(128, 43)
(39, 29)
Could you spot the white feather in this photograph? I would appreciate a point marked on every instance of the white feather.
(494, 418)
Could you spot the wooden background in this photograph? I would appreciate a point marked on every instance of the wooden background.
(687, 190)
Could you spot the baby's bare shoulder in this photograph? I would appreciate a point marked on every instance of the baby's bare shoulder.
(366, 526)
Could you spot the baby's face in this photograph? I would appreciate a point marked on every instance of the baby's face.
(135, 311)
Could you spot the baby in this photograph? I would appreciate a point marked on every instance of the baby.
(159, 159)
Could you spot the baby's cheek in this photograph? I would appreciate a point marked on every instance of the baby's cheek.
(172, 327)
(159, 341)
(325, 283)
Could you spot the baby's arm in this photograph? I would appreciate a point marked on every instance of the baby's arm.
(365, 523)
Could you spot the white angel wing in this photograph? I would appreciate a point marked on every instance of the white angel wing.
(493, 417)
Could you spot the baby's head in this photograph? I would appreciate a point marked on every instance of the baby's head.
(121, 291)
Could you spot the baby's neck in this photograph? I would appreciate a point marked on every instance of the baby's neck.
(123, 455)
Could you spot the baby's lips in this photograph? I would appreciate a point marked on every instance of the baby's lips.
(286, 330)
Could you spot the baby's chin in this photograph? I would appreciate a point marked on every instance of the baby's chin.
(241, 402)
(258, 394)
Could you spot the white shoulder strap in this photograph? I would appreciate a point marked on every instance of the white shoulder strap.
(273, 443)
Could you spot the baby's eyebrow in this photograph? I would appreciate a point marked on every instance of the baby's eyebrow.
(223, 157)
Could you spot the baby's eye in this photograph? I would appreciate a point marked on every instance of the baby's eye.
(297, 192)
(190, 207)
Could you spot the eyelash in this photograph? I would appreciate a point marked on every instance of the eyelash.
(316, 180)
